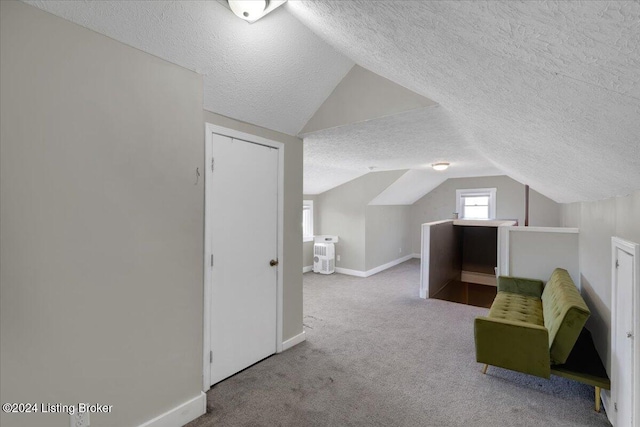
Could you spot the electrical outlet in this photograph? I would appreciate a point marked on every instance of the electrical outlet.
(80, 419)
(399, 250)
(338, 258)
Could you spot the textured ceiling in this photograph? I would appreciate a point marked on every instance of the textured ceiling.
(549, 91)
(273, 73)
(411, 140)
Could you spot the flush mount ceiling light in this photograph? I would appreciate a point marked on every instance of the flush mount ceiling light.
(440, 166)
(252, 10)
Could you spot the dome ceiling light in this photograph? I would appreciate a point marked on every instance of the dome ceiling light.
(440, 166)
(252, 10)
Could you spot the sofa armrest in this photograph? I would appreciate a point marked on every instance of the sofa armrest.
(520, 285)
(509, 344)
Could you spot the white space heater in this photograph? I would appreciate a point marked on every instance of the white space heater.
(324, 254)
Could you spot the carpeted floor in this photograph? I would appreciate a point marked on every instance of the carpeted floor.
(378, 355)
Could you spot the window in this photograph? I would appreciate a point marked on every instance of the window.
(307, 221)
(477, 203)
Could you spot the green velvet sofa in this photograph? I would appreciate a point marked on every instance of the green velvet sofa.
(531, 326)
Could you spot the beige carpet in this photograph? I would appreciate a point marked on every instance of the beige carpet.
(377, 355)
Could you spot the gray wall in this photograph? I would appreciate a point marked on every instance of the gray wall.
(363, 95)
(387, 234)
(549, 250)
(292, 279)
(440, 204)
(307, 254)
(101, 223)
(307, 247)
(342, 211)
(598, 222)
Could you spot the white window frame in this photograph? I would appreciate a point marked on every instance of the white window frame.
(308, 238)
(491, 192)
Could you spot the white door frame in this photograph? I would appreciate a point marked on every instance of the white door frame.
(232, 133)
(634, 250)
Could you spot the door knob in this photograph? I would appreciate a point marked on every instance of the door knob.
(273, 262)
(629, 334)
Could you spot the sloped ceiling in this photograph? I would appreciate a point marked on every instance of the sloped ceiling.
(549, 91)
(370, 124)
(274, 73)
(410, 140)
(363, 95)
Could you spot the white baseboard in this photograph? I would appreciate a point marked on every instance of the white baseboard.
(307, 269)
(606, 398)
(350, 272)
(378, 269)
(383, 267)
(181, 414)
(293, 341)
(415, 256)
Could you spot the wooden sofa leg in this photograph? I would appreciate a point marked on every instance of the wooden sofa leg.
(597, 399)
(484, 370)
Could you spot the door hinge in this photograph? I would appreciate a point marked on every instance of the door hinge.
(213, 164)
(617, 264)
(615, 405)
(211, 260)
(210, 356)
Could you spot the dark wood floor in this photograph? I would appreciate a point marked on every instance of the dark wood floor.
(467, 293)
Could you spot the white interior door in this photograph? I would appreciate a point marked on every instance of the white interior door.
(244, 219)
(624, 387)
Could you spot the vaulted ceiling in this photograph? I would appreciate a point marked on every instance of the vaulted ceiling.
(274, 73)
(545, 92)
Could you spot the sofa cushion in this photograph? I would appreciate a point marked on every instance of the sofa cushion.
(516, 307)
(520, 285)
(565, 314)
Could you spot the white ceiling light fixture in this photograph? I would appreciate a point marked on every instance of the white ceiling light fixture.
(252, 10)
(440, 166)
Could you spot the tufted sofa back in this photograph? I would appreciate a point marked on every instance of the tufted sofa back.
(565, 314)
